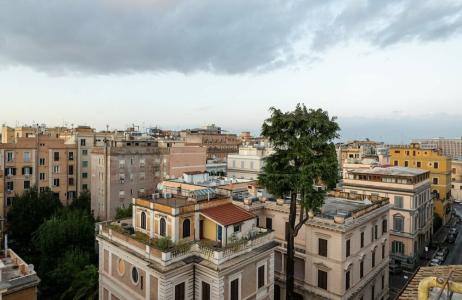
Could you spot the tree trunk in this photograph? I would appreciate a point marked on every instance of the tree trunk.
(290, 236)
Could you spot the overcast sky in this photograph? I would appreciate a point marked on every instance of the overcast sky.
(389, 69)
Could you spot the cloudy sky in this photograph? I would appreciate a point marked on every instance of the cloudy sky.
(389, 69)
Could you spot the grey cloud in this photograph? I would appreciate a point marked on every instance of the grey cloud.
(238, 36)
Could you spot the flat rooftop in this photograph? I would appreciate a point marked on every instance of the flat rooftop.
(391, 171)
(179, 201)
(342, 207)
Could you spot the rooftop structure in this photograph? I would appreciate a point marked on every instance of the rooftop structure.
(451, 147)
(18, 280)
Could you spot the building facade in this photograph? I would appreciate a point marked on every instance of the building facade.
(248, 163)
(186, 248)
(451, 148)
(439, 165)
(340, 253)
(43, 161)
(456, 180)
(411, 207)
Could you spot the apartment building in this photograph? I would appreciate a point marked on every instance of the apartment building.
(359, 150)
(186, 248)
(218, 144)
(439, 165)
(42, 161)
(341, 252)
(18, 280)
(122, 170)
(456, 180)
(451, 148)
(411, 207)
(249, 162)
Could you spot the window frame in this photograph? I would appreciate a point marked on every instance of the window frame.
(233, 277)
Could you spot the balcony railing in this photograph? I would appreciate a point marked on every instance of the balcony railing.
(170, 253)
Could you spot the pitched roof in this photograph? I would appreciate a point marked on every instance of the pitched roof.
(412, 287)
(228, 214)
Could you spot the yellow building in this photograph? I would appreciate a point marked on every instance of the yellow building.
(414, 156)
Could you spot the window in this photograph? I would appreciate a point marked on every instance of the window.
(26, 184)
(71, 181)
(383, 251)
(373, 258)
(419, 164)
(26, 156)
(362, 239)
(162, 227)
(237, 228)
(347, 248)
(84, 164)
(373, 292)
(85, 187)
(42, 176)
(186, 228)
(84, 175)
(269, 223)
(56, 156)
(10, 171)
(235, 295)
(9, 201)
(277, 292)
(9, 156)
(435, 165)
(398, 223)
(142, 162)
(395, 163)
(56, 169)
(71, 155)
(135, 276)
(398, 202)
(361, 269)
(180, 291)
(322, 247)
(27, 171)
(121, 194)
(406, 163)
(376, 230)
(261, 276)
(205, 294)
(71, 170)
(83, 142)
(372, 234)
(322, 279)
(397, 247)
(56, 182)
(143, 220)
(347, 280)
(9, 186)
(384, 226)
(42, 161)
(383, 282)
(435, 180)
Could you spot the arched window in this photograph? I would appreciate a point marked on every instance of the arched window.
(143, 220)
(186, 228)
(163, 227)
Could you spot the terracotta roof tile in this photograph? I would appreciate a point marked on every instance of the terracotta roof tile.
(228, 214)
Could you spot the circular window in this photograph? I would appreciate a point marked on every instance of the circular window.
(121, 267)
(135, 275)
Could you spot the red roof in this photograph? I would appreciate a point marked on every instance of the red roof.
(228, 214)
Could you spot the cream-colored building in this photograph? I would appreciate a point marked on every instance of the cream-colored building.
(249, 162)
(340, 253)
(186, 248)
(411, 209)
(456, 180)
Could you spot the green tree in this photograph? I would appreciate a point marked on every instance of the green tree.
(84, 285)
(83, 202)
(27, 213)
(67, 238)
(304, 156)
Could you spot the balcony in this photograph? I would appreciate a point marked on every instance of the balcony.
(164, 252)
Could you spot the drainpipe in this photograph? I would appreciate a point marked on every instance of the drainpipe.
(431, 282)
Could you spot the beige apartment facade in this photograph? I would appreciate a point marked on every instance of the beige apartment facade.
(411, 207)
(45, 162)
(456, 180)
(198, 264)
(218, 144)
(248, 163)
(340, 253)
